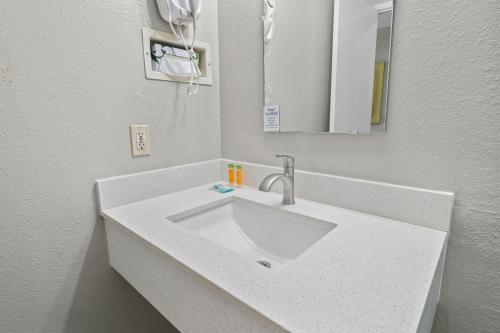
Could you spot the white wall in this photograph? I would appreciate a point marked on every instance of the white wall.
(71, 81)
(443, 132)
(300, 39)
(353, 66)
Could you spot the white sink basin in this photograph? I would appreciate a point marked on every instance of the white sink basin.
(265, 234)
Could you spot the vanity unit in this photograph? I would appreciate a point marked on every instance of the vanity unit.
(349, 256)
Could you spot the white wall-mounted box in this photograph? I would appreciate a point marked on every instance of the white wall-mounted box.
(150, 36)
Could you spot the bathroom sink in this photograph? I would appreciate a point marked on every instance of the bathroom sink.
(268, 235)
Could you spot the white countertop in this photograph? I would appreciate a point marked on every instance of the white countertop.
(370, 274)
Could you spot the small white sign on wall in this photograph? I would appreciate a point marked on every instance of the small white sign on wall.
(271, 118)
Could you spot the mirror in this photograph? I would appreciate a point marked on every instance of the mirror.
(326, 65)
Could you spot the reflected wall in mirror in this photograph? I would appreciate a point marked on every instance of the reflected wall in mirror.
(326, 65)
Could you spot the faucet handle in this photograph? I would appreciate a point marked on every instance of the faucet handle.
(288, 163)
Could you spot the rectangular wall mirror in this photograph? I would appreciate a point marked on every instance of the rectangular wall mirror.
(326, 65)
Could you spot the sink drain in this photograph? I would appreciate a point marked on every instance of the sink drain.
(264, 263)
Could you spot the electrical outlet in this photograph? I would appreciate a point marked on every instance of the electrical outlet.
(139, 138)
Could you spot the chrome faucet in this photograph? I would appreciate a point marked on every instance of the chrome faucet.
(287, 178)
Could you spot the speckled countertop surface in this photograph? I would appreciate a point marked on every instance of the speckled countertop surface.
(370, 274)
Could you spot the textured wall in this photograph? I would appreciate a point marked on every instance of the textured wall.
(71, 81)
(443, 132)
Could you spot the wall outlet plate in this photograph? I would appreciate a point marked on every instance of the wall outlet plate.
(140, 140)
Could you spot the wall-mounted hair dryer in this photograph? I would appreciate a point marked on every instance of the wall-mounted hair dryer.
(269, 8)
(180, 12)
(183, 13)
(268, 19)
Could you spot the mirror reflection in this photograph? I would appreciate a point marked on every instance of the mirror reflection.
(326, 65)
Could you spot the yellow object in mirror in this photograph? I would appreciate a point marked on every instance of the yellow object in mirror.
(378, 86)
